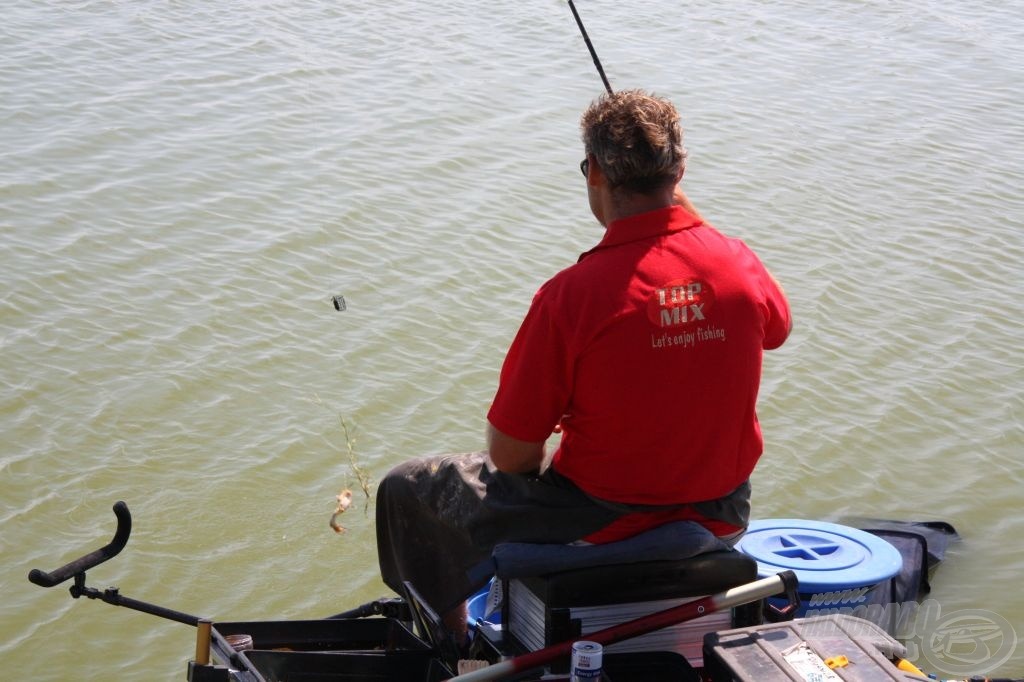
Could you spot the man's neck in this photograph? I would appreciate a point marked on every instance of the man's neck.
(625, 206)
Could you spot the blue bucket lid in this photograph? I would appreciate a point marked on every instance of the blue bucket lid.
(824, 556)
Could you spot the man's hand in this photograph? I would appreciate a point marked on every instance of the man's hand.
(511, 455)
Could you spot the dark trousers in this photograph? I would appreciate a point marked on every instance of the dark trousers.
(439, 517)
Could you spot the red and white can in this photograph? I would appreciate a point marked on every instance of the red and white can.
(586, 661)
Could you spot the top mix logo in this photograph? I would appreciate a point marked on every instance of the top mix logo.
(679, 303)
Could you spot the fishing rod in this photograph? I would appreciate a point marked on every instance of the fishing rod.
(339, 301)
(590, 46)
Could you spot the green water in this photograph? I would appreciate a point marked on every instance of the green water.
(183, 188)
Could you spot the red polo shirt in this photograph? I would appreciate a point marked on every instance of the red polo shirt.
(648, 352)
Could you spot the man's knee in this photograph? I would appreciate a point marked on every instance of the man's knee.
(396, 485)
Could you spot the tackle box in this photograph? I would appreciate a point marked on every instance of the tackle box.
(803, 649)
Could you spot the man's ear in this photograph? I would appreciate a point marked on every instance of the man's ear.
(595, 176)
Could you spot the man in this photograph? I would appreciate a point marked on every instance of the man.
(646, 357)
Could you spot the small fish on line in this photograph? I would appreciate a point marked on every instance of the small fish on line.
(344, 502)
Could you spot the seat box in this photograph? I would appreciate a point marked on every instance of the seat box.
(543, 610)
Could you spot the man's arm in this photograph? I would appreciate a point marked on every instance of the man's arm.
(780, 322)
(511, 455)
(785, 300)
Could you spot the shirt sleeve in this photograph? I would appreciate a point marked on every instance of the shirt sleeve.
(776, 317)
(780, 319)
(536, 377)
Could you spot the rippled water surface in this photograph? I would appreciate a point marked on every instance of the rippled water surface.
(184, 186)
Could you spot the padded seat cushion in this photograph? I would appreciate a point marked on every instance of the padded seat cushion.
(669, 542)
(644, 581)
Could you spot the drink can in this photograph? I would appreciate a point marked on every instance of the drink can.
(586, 661)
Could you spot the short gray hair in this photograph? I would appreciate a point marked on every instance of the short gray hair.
(635, 138)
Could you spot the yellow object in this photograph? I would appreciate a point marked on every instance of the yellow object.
(837, 661)
(908, 667)
(203, 630)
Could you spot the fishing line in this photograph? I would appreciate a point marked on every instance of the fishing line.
(590, 46)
